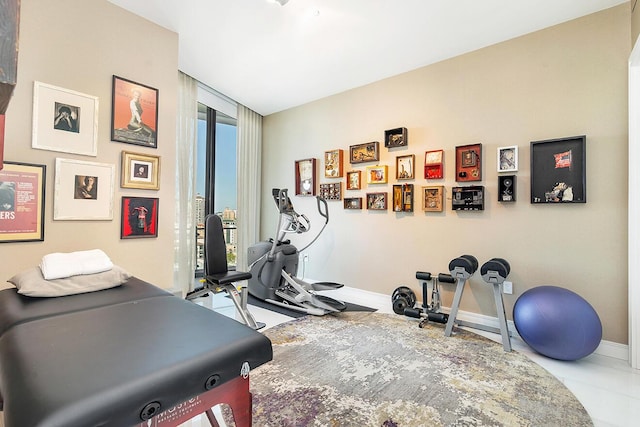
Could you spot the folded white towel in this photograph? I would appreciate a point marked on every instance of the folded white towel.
(59, 265)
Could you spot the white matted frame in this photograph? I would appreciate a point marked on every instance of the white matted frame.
(508, 159)
(83, 190)
(64, 120)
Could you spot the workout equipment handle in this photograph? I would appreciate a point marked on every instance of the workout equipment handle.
(323, 208)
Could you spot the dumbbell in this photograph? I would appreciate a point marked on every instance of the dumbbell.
(495, 270)
(463, 267)
(403, 298)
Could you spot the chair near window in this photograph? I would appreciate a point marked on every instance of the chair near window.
(218, 277)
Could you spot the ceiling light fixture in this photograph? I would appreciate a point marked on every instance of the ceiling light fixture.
(280, 2)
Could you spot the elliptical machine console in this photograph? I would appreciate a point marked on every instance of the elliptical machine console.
(274, 264)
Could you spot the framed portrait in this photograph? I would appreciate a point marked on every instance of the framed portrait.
(508, 159)
(140, 171)
(395, 137)
(367, 152)
(377, 201)
(354, 180)
(433, 164)
(353, 202)
(332, 191)
(403, 198)
(139, 217)
(405, 166)
(306, 177)
(83, 190)
(333, 163)
(558, 170)
(469, 163)
(377, 174)
(433, 198)
(22, 202)
(64, 120)
(134, 113)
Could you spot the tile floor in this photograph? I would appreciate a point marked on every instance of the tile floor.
(608, 388)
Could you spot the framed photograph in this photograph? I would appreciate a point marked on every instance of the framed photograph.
(140, 171)
(506, 188)
(403, 198)
(139, 217)
(377, 201)
(83, 190)
(395, 137)
(332, 191)
(354, 180)
(306, 177)
(558, 170)
(361, 153)
(333, 163)
(134, 113)
(405, 166)
(377, 174)
(508, 159)
(22, 202)
(64, 120)
(353, 202)
(469, 163)
(433, 198)
(434, 164)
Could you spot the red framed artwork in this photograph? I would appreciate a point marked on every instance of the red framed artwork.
(134, 113)
(139, 217)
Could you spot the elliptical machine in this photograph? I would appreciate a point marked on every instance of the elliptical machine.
(274, 264)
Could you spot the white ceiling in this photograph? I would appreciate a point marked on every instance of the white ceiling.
(271, 57)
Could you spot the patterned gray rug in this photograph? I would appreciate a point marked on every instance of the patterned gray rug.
(371, 369)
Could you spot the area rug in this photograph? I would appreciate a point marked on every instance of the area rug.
(372, 369)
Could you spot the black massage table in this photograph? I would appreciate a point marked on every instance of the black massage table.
(134, 355)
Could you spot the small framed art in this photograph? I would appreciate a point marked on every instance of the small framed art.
(377, 174)
(508, 159)
(354, 180)
(395, 137)
(332, 191)
(377, 201)
(134, 113)
(140, 171)
(403, 198)
(433, 164)
(433, 198)
(506, 188)
(306, 177)
(22, 202)
(333, 163)
(469, 163)
(558, 170)
(361, 153)
(64, 120)
(353, 202)
(405, 166)
(139, 217)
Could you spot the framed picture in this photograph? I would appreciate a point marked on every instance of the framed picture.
(506, 188)
(361, 153)
(395, 137)
(558, 170)
(353, 202)
(354, 181)
(377, 201)
(139, 217)
(469, 163)
(332, 191)
(83, 190)
(333, 163)
(433, 164)
(134, 113)
(508, 159)
(433, 198)
(64, 120)
(22, 202)
(377, 174)
(306, 177)
(403, 198)
(140, 171)
(405, 166)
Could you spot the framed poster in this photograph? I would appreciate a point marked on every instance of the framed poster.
(134, 113)
(469, 163)
(22, 202)
(306, 177)
(508, 159)
(140, 171)
(558, 170)
(139, 217)
(333, 163)
(64, 120)
(83, 190)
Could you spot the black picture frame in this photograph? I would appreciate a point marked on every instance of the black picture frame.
(558, 170)
(139, 127)
(396, 137)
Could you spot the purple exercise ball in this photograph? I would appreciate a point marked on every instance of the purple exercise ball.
(557, 323)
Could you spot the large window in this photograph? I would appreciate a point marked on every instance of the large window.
(216, 179)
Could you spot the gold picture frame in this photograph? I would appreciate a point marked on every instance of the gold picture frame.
(377, 174)
(140, 171)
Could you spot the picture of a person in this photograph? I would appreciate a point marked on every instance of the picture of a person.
(135, 123)
(86, 187)
(66, 118)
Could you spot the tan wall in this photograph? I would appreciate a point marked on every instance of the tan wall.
(635, 20)
(563, 81)
(79, 45)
